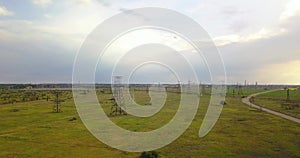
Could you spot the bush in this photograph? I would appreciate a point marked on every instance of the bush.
(149, 154)
(73, 119)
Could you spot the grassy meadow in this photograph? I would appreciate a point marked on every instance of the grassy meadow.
(30, 128)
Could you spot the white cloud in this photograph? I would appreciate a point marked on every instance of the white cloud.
(264, 33)
(279, 26)
(42, 2)
(5, 12)
(291, 9)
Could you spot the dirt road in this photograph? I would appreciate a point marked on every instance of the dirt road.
(247, 101)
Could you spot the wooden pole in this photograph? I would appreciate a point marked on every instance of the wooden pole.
(288, 95)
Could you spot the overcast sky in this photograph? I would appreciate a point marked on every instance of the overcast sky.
(258, 40)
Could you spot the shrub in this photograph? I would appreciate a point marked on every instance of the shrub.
(149, 154)
(73, 119)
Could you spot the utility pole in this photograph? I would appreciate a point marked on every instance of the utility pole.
(57, 107)
(288, 95)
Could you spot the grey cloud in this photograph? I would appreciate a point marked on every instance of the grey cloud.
(243, 60)
(35, 61)
(238, 26)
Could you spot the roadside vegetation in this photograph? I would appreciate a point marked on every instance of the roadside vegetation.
(279, 101)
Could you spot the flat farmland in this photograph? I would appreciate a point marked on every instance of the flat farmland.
(30, 128)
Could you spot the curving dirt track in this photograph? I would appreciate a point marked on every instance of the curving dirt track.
(247, 101)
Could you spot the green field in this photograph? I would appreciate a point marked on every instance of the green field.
(29, 128)
(278, 101)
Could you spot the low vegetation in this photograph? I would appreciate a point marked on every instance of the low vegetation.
(31, 129)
